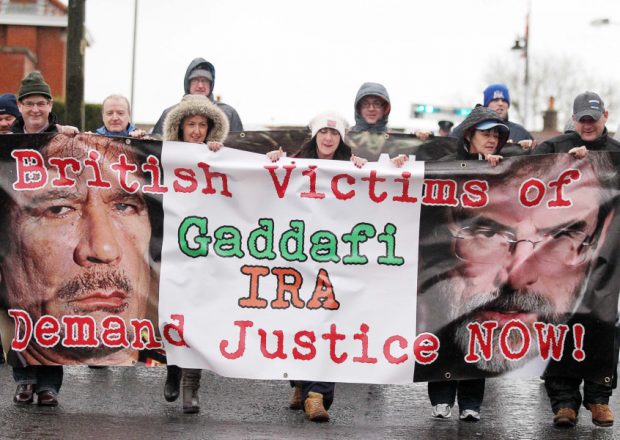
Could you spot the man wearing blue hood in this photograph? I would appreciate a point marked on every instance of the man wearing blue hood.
(200, 80)
(116, 115)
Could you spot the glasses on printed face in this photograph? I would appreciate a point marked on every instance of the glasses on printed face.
(33, 104)
(200, 80)
(376, 103)
(484, 244)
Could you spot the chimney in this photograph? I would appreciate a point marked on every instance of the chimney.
(550, 116)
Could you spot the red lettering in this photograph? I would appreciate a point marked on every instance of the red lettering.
(62, 164)
(209, 176)
(387, 349)
(578, 333)
(22, 336)
(405, 197)
(519, 327)
(243, 326)
(372, 187)
(178, 328)
(79, 331)
(284, 287)
(114, 332)
(425, 348)
(279, 353)
(280, 187)
(475, 195)
(439, 192)
(483, 341)
(534, 185)
(31, 172)
(152, 167)
(253, 301)
(307, 342)
(323, 295)
(93, 162)
(333, 337)
(46, 331)
(550, 339)
(363, 338)
(187, 175)
(340, 195)
(143, 330)
(123, 167)
(565, 178)
(312, 194)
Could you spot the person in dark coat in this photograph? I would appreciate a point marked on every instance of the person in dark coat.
(483, 134)
(200, 80)
(590, 134)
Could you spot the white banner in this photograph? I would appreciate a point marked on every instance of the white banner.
(300, 269)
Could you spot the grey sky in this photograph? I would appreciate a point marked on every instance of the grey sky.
(282, 62)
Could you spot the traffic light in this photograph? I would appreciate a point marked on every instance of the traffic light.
(463, 111)
(424, 108)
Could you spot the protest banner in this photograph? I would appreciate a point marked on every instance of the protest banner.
(112, 250)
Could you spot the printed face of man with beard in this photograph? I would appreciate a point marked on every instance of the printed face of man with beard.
(523, 263)
(78, 251)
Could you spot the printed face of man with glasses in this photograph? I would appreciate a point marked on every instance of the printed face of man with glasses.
(524, 263)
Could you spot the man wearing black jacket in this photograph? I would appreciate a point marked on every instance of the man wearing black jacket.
(589, 118)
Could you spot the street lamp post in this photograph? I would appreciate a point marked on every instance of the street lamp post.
(523, 43)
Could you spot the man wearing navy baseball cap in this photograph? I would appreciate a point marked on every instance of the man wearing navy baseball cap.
(590, 134)
(497, 98)
(8, 112)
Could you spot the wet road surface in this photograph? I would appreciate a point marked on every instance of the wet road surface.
(128, 403)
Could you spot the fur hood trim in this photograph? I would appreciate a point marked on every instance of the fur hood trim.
(193, 105)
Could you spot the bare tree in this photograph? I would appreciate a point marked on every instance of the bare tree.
(558, 76)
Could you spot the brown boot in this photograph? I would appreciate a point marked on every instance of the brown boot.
(565, 418)
(295, 401)
(191, 384)
(313, 406)
(601, 414)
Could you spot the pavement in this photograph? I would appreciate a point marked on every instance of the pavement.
(128, 403)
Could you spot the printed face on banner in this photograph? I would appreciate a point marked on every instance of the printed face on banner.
(79, 250)
(520, 258)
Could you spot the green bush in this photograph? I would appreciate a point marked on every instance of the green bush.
(92, 115)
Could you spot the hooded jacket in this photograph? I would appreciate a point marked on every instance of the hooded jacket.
(478, 115)
(193, 105)
(371, 89)
(232, 115)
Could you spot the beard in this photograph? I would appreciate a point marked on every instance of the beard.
(463, 311)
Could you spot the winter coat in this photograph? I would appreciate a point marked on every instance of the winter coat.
(18, 125)
(232, 115)
(124, 133)
(193, 105)
(564, 142)
(477, 115)
(371, 89)
(517, 132)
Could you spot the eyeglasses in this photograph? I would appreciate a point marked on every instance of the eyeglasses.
(483, 244)
(30, 104)
(201, 80)
(374, 103)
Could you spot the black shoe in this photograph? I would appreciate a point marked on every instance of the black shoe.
(173, 383)
(24, 394)
(47, 398)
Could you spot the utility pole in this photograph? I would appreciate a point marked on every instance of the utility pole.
(76, 45)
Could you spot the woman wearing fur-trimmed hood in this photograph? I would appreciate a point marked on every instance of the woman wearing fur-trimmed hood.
(197, 120)
(196, 105)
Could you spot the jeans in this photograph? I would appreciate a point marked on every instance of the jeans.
(469, 393)
(44, 377)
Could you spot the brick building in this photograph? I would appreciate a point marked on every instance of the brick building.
(33, 36)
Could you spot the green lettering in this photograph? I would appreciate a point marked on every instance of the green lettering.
(228, 242)
(324, 247)
(264, 232)
(296, 233)
(359, 234)
(388, 237)
(202, 239)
